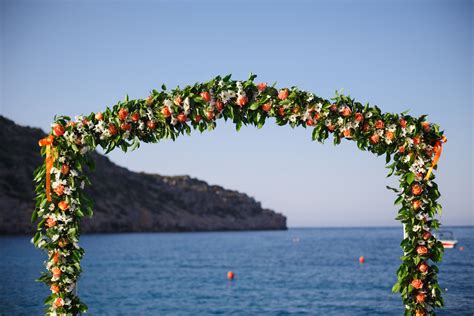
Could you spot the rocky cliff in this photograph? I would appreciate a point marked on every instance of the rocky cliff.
(125, 201)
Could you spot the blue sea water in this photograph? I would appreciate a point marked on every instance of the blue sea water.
(312, 271)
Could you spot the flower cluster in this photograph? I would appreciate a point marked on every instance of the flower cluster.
(412, 144)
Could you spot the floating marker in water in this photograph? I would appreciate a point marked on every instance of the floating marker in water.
(230, 275)
(461, 248)
(361, 259)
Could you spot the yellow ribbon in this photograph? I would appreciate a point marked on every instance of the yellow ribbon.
(438, 148)
(48, 142)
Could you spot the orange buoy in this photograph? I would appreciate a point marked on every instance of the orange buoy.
(461, 248)
(230, 275)
(361, 259)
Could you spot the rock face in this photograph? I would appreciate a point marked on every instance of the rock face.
(125, 201)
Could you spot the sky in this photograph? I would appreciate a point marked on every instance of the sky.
(77, 57)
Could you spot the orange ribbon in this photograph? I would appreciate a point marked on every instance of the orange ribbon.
(438, 148)
(48, 142)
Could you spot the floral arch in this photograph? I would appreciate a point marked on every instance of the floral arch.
(412, 145)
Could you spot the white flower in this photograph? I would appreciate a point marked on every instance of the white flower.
(169, 104)
(70, 288)
(293, 118)
(416, 228)
(411, 128)
(55, 237)
(319, 106)
(73, 173)
(425, 227)
(51, 207)
(174, 121)
(105, 134)
(392, 128)
(340, 121)
(420, 216)
(368, 115)
(421, 242)
(85, 149)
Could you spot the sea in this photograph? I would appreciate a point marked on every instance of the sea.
(307, 271)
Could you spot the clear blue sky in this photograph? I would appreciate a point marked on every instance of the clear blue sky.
(72, 57)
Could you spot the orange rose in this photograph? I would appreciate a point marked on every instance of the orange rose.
(419, 312)
(64, 169)
(149, 100)
(54, 288)
(331, 127)
(210, 115)
(295, 110)
(283, 94)
(416, 189)
(379, 124)
(317, 116)
(426, 126)
(135, 117)
(58, 130)
(365, 127)
(125, 126)
(198, 118)
(309, 122)
(70, 124)
(165, 111)
(401, 149)
(421, 250)
(416, 204)
(417, 284)
(346, 111)
(358, 117)
(403, 123)
(281, 111)
(267, 107)
(333, 108)
(182, 117)
(423, 267)
(62, 243)
(242, 100)
(50, 222)
(219, 105)
(416, 140)
(206, 96)
(427, 235)
(151, 124)
(122, 114)
(55, 257)
(59, 190)
(59, 302)
(374, 139)
(78, 140)
(420, 297)
(63, 205)
(56, 272)
(261, 86)
(112, 129)
(99, 116)
(347, 133)
(177, 101)
(389, 135)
